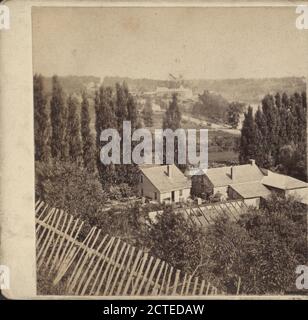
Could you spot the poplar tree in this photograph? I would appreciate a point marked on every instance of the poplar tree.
(132, 116)
(271, 115)
(279, 135)
(248, 137)
(105, 119)
(172, 120)
(42, 129)
(73, 130)
(88, 149)
(58, 116)
(121, 111)
(261, 135)
(147, 113)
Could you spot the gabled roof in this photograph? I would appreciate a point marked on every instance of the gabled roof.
(251, 190)
(282, 182)
(157, 175)
(243, 173)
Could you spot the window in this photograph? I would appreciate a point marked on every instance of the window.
(141, 178)
(155, 195)
(181, 193)
(141, 192)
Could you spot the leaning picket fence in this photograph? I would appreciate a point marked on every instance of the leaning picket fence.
(98, 264)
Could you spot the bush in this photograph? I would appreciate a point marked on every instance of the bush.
(69, 187)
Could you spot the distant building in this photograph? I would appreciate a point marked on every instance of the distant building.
(156, 107)
(247, 182)
(164, 184)
(182, 92)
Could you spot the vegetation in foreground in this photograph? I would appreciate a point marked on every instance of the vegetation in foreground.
(261, 250)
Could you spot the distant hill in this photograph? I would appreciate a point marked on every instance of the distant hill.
(138, 85)
(250, 90)
(73, 84)
(245, 90)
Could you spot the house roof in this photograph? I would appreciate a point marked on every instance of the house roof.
(161, 181)
(282, 182)
(251, 190)
(225, 176)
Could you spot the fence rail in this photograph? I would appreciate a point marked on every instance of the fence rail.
(95, 263)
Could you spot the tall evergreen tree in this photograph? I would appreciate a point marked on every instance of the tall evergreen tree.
(248, 137)
(261, 135)
(280, 135)
(131, 169)
(271, 114)
(88, 148)
(58, 116)
(132, 114)
(173, 116)
(105, 119)
(42, 129)
(121, 111)
(147, 113)
(172, 120)
(73, 130)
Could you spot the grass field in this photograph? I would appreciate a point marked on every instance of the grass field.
(223, 156)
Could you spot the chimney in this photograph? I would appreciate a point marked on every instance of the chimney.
(252, 162)
(168, 170)
(232, 172)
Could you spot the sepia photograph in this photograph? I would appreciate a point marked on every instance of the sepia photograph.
(170, 149)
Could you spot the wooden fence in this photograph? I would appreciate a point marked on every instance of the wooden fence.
(94, 263)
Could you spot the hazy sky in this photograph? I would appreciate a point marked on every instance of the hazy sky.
(152, 42)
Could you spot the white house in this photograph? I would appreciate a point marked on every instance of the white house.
(249, 183)
(164, 184)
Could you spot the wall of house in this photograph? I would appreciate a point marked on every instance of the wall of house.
(177, 198)
(301, 192)
(147, 187)
(149, 192)
(254, 202)
(277, 191)
(232, 194)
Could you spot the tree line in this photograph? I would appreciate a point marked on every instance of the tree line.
(255, 255)
(275, 136)
(62, 126)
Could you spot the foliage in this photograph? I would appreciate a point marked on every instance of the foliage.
(175, 241)
(147, 113)
(211, 106)
(70, 187)
(233, 113)
(88, 148)
(276, 136)
(256, 255)
(248, 143)
(42, 129)
(73, 130)
(58, 116)
(111, 110)
(263, 248)
(172, 120)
